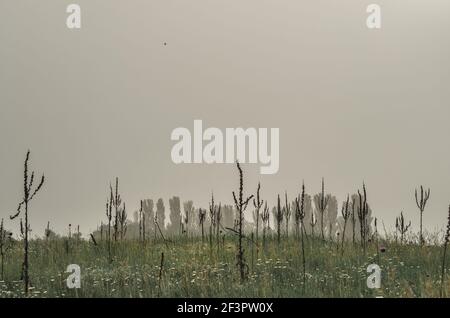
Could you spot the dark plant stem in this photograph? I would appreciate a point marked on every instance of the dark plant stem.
(446, 239)
(160, 273)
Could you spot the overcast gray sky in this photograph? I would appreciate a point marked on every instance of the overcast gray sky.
(352, 104)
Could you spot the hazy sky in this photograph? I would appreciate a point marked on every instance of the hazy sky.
(352, 104)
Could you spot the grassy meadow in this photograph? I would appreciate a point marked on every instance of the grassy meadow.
(145, 258)
(195, 269)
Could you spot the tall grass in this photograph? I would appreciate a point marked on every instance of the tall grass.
(184, 266)
(190, 270)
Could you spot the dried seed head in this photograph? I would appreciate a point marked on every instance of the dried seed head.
(447, 234)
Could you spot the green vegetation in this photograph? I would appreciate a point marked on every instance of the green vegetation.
(145, 258)
(192, 269)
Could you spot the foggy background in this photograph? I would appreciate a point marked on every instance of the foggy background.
(352, 104)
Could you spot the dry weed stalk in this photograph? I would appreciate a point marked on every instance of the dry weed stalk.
(117, 202)
(279, 219)
(300, 215)
(213, 220)
(201, 221)
(287, 213)
(241, 206)
(363, 210)
(123, 222)
(142, 222)
(257, 203)
(421, 203)
(345, 212)
(218, 225)
(5, 245)
(266, 222)
(47, 231)
(161, 266)
(353, 220)
(109, 205)
(401, 226)
(28, 196)
(93, 239)
(446, 239)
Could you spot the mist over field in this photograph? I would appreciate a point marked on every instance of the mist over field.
(352, 104)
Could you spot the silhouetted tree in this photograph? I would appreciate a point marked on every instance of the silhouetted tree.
(123, 221)
(201, 222)
(313, 222)
(332, 212)
(174, 227)
(321, 203)
(188, 208)
(228, 216)
(148, 217)
(160, 216)
(307, 207)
